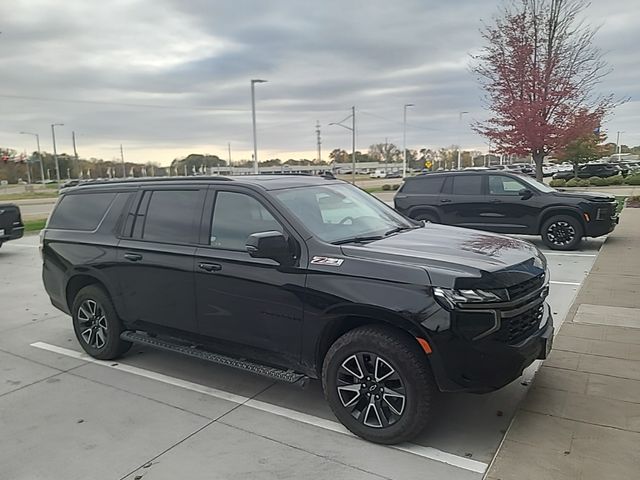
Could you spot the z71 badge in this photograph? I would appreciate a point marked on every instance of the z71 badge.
(333, 262)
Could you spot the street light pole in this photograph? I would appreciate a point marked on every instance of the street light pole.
(404, 140)
(39, 153)
(55, 152)
(618, 146)
(253, 115)
(460, 117)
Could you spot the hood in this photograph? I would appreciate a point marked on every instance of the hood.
(458, 257)
(591, 196)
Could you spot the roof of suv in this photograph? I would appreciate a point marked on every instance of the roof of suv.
(268, 182)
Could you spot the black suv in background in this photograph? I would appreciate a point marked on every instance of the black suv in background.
(507, 203)
(603, 170)
(294, 277)
(11, 226)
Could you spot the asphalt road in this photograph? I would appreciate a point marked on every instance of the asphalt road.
(158, 415)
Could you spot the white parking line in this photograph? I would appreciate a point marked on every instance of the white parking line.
(567, 254)
(422, 451)
(577, 284)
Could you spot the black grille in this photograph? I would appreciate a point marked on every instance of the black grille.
(526, 287)
(514, 330)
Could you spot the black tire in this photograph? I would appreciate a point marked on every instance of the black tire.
(428, 217)
(402, 354)
(562, 232)
(96, 324)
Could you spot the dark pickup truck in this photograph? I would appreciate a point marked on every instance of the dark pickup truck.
(11, 227)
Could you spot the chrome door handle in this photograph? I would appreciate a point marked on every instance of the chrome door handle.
(133, 257)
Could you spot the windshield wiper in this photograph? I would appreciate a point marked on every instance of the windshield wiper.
(358, 239)
(398, 229)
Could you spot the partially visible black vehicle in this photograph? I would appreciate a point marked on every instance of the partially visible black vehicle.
(11, 227)
(296, 277)
(589, 170)
(393, 175)
(507, 203)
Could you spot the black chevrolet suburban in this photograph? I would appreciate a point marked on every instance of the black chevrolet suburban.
(298, 277)
(505, 202)
(11, 226)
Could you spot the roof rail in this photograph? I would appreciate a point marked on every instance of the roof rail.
(152, 180)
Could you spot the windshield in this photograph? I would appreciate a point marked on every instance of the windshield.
(338, 213)
(538, 185)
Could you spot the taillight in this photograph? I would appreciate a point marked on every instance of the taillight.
(41, 244)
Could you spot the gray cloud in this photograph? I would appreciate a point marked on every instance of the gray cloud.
(195, 59)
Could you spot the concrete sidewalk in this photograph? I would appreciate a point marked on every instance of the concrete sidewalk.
(581, 418)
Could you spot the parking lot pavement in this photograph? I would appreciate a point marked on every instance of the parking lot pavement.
(159, 415)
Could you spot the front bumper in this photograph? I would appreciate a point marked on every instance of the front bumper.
(597, 228)
(13, 233)
(487, 364)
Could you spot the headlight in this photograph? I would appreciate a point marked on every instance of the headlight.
(450, 298)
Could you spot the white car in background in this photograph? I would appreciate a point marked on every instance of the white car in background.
(548, 169)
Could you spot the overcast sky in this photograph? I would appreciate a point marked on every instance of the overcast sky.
(169, 77)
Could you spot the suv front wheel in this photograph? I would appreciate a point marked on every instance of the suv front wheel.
(378, 383)
(96, 324)
(562, 232)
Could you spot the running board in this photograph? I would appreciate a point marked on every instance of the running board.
(287, 376)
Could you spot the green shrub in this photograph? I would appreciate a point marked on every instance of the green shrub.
(615, 180)
(571, 183)
(395, 186)
(598, 181)
(584, 182)
(386, 187)
(633, 179)
(559, 182)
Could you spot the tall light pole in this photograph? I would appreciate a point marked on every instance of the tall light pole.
(404, 140)
(352, 128)
(39, 154)
(460, 118)
(253, 115)
(618, 146)
(75, 152)
(55, 152)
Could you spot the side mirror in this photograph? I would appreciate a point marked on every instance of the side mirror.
(272, 244)
(525, 193)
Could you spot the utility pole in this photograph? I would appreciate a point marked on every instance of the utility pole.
(404, 140)
(253, 114)
(319, 141)
(124, 169)
(75, 151)
(55, 152)
(229, 147)
(39, 153)
(352, 128)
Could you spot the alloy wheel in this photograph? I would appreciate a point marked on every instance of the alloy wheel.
(93, 324)
(561, 233)
(371, 390)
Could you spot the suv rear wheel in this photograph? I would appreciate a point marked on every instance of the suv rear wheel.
(378, 383)
(96, 325)
(562, 232)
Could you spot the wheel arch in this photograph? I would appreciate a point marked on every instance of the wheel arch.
(346, 321)
(78, 282)
(422, 209)
(560, 210)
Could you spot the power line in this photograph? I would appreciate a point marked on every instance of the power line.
(418, 127)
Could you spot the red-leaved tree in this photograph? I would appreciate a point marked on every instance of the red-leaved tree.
(539, 69)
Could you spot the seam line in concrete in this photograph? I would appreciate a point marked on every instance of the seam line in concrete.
(594, 373)
(594, 424)
(324, 457)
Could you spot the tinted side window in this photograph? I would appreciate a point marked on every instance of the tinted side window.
(467, 185)
(235, 217)
(173, 216)
(426, 185)
(499, 185)
(81, 212)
